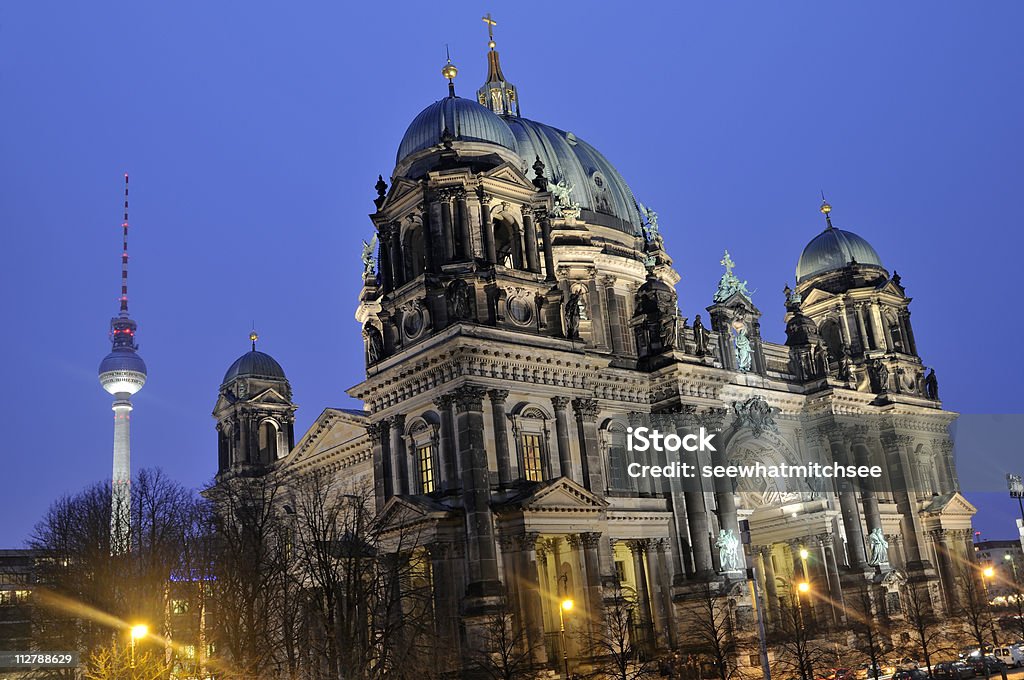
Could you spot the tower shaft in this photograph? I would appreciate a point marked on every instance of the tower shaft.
(120, 515)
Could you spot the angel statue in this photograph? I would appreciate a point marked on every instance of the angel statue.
(651, 231)
(369, 257)
(879, 547)
(728, 550)
(562, 191)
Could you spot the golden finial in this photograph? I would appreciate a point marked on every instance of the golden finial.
(491, 23)
(825, 210)
(253, 337)
(449, 71)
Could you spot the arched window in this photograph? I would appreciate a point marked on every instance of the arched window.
(268, 441)
(413, 252)
(618, 480)
(425, 467)
(833, 338)
(532, 444)
(507, 244)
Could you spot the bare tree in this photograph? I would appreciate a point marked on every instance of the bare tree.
(800, 646)
(711, 633)
(614, 646)
(119, 662)
(870, 628)
(90, 594)
(926, 629)
(506, 653)
(972, 606)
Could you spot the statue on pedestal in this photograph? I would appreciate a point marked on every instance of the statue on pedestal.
(741, 343)
(369, 258)
(572, 315)
(700, 337)
(728, 550)
(879, 548)
(931, 385)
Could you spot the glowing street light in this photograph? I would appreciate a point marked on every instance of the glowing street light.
(565, 606)
(803, 586)
(804, 554)
(989, 572)
(138, 632)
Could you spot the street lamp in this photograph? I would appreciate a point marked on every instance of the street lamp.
(988, 572)
(564, 607)
(138, 632)
(803, 587)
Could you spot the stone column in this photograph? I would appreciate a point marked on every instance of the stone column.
(660, 609)
(530, 236)
(945, 559)
(447, 240)
(464, 233)
(397, 261)
(696, 509)
(586, 428)
(386, 271)
(549, 255)
(429, 255)
(381, 464)
(895, 447)
(447, 458)
(638, 548)
(615, 329)
(725, 498)
(562, 437)
(831, 569)
(486, 226)
(595, 596)
(445, 597)
(771, 586)
(645, 484)
(859, 313)
(399, 456)
(875, 317)
(862, 456)
(530, 596)
(501, 452)
(476, 493)
(909, 330)
(836, 437)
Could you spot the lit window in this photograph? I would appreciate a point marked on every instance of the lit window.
(533, 469)
(190, 651)
(179, 606)
(425, 460)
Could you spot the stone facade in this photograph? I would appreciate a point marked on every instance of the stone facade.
(513, 334)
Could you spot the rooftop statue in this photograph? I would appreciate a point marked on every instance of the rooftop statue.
(369, 258)
(651, 232)
(562, 192)
(729, 284)
(879, 547)
(728, 550)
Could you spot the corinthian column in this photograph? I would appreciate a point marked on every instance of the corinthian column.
(562, 437)
(586, 428)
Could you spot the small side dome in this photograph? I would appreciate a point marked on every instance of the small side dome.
(834, 249)
(255, 364)
(465, 119)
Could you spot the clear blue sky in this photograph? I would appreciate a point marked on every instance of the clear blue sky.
(254, 133)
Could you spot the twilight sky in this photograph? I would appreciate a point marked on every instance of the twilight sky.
(254, 132)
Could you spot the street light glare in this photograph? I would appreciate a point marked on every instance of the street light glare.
(139, 631)
(804, 554)
(803, 586)
(567, 604)
(989, 571)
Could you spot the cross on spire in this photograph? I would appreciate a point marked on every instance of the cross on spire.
(491, 23)
(727, 263)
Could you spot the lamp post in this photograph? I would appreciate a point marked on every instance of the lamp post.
(138, 632)
(989, 572)
(803, 587)
(564, 607)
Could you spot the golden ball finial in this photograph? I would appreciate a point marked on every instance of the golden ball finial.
(825, 208)
(492, 44)
(253, 338)
(449, 71)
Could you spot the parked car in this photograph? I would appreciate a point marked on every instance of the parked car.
(1012, 656)
(952, 670)
(910, 674)
(906, 663)
(979, 664)
(866, 672)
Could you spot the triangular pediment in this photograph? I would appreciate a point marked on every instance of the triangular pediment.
(561, 493)
(950, 505)
(891, 288)
(223, 401)
(270, 396)
(815, 296)
(507, 172)
(400, 188)
(405, 510)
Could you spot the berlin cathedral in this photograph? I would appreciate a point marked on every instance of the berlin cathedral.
(519, 315)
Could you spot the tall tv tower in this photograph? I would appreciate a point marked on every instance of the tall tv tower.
(122, 374)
